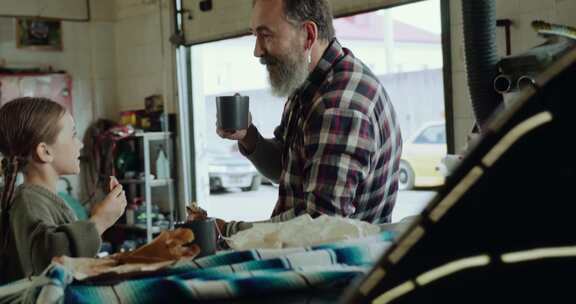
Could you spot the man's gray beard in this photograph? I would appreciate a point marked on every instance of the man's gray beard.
(286, 77)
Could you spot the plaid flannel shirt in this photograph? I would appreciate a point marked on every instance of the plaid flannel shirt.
(341, 144)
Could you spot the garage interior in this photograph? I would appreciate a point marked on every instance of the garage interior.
(497, 222)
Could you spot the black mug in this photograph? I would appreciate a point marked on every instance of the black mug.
(205, 235)
(232, 112)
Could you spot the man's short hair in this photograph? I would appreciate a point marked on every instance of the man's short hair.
(317, 11)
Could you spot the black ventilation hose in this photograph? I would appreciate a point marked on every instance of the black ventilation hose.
(481, 56)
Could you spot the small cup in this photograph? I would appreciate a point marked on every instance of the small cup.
(205, 235)
(232, 112)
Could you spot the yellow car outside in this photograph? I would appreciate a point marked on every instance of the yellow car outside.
(421, 155)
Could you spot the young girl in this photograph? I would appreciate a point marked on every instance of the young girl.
(38, 138)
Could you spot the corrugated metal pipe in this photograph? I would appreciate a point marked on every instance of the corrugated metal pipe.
(481, 56)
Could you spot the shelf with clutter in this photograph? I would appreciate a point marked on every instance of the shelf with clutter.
(144, 168)
(139, 152)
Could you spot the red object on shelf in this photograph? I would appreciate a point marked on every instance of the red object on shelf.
(56, 86)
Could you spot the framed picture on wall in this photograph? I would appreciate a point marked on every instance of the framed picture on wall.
(39, 34)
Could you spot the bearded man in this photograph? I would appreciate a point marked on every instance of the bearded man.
(337, 149)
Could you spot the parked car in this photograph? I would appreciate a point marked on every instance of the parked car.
(421, 155)
(267, 181)
(231, 170)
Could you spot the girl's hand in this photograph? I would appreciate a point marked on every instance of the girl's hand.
(107, 212)
(113, 183)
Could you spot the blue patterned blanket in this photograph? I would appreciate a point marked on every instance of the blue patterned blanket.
(227, 275)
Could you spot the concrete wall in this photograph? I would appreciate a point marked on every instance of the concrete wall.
(522, 13)
(87, 55)
(117, 59)
(145, 64)
(144, 56)
(72, 9)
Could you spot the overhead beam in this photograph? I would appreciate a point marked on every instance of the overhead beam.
(227, 19)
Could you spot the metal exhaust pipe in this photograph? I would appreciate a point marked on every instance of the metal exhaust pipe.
(525, 81)
(503, 83)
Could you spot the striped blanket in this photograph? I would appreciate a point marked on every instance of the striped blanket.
(227, 275)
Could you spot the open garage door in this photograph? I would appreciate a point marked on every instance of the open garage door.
(210, 20)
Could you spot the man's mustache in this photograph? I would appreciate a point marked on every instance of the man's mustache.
(268, 60)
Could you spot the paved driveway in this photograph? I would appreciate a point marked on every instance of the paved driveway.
(258, 205)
